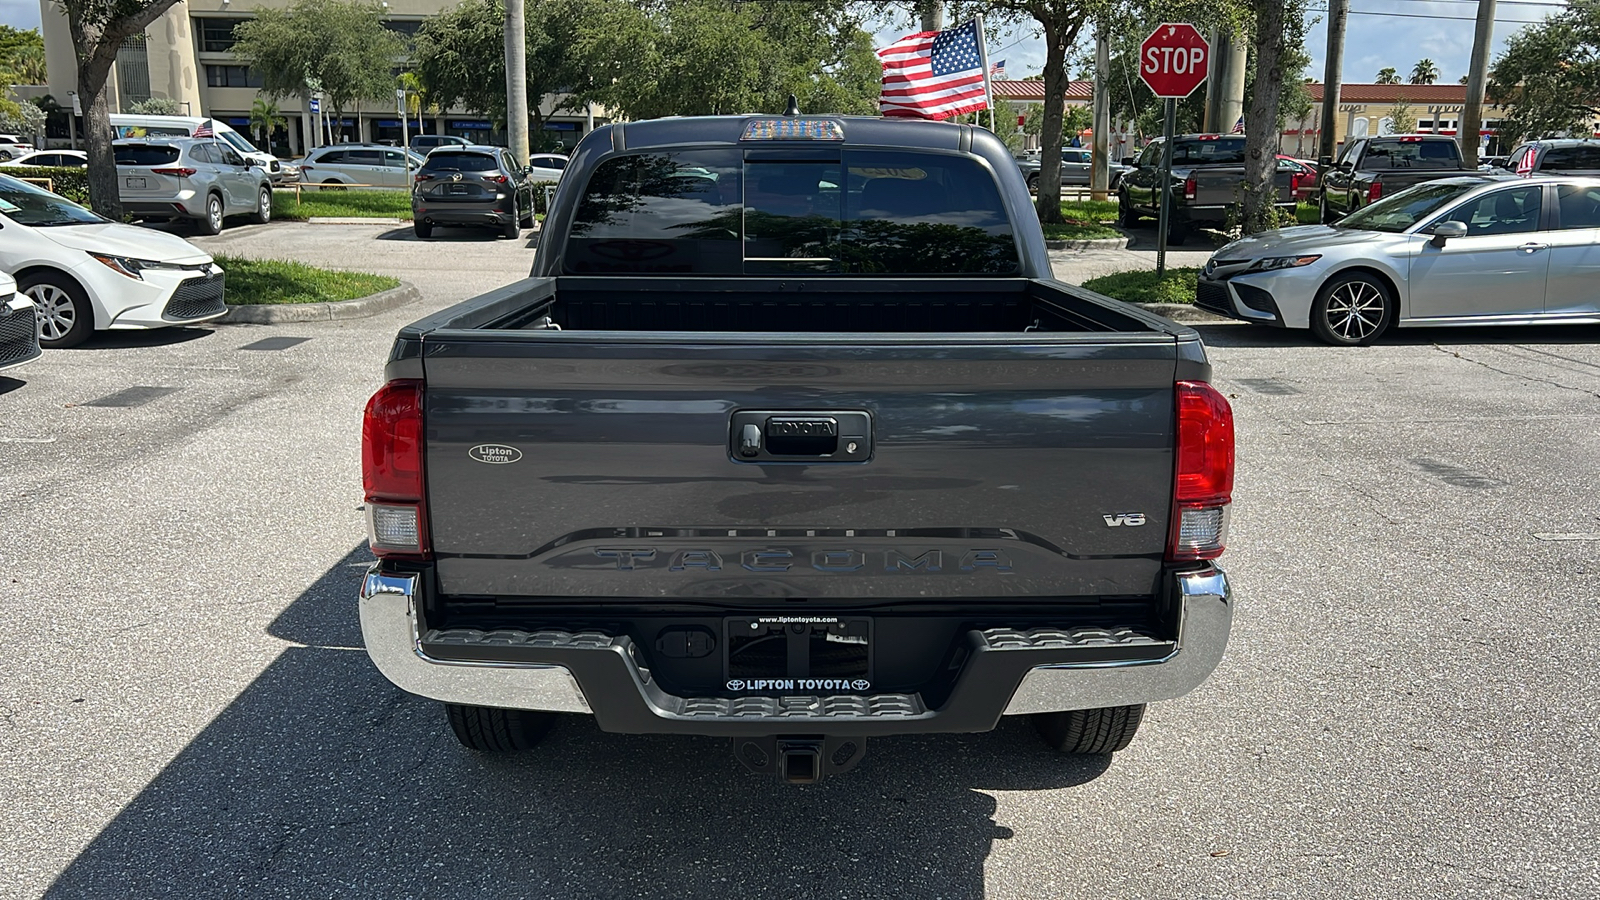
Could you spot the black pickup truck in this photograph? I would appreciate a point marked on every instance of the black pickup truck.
(1369, 169)
(792, 438)
(1207, 184)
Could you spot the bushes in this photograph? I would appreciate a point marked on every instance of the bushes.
(70, 183)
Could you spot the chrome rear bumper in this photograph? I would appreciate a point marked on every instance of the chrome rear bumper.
(393, 635)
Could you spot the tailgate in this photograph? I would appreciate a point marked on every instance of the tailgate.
(1218, 187)
(578, 465)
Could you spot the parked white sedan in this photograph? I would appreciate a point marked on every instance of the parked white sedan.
(86, 273)
(19, 330)
(73, 159)
(1474, 250)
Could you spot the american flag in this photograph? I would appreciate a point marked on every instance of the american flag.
(934, 74)
(998, 70)
(204, 130)
(1238, 127)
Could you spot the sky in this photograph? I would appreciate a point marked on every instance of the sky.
(1381, 33)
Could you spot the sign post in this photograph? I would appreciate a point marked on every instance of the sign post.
(1173, 61)
(405, 131)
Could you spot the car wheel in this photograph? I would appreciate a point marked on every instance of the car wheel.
(331, 185)
(211, 223)
(1090, 730)
(264, 207)
(1033, 184)
(65, 317)
(512, 229)
(489, 730)
(1177, 232)
(1352, 310)
(1126, 217)
(420, 228)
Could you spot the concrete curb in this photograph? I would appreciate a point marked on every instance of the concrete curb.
(1183, 312)
(359, 308)
(355, 220)
(1116, 243)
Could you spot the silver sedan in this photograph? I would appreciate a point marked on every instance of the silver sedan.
(1473, 250)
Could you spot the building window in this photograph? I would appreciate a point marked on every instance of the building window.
(404, 28)
(231, 77)
(133, 71)
(216, 35)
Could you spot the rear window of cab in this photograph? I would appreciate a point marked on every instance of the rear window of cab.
(855, 212)
(461, 161)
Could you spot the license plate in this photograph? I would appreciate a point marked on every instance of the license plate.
(797, 654)
(135, 183)
(459, 189)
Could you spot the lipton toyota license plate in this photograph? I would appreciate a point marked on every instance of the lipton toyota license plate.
(135, 183)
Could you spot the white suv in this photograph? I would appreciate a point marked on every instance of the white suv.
(12, 146)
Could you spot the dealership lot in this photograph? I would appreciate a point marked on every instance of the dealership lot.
(1409, 705)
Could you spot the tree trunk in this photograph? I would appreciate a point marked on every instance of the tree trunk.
(1261, 121)
(1058, 39)
(105, 196)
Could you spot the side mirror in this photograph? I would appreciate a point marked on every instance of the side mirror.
(1131, 162)
(1444, 231)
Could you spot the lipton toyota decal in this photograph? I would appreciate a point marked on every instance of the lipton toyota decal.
(799, 684)
(495, 454)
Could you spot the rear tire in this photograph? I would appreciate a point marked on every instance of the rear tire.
(1033, 184)
(420, 228)
(211, 222)
(512, 229)
(1106, 730)
(490, 730)
(1126, 217)
(1177, 233)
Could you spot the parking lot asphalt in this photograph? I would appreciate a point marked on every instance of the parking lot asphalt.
(1409, 705)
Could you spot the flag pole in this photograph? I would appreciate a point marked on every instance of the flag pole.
(983, 60)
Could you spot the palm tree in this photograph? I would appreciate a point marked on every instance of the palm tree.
(1388, 75)
(1424, 72)
(264, 117)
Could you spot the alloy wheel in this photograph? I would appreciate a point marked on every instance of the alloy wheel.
(56, 311)
(1355, 311)
(214, 213)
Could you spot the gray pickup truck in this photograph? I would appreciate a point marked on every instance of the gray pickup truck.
(1207, 184)
(1369, 169)
(791, 437)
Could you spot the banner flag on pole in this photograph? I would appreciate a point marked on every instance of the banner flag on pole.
(1238, 127)
(204, 130)
(997, 71)
(935, 74)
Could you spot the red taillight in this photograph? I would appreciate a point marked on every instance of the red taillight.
(500, 179)
(180, 171)
(1203, 485)
(1294, 183)
(421, 177)
(391, 471)
(1375, 192)
(1190, 188)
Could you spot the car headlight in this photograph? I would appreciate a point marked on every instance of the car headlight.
(127, 265)
(1272, 263)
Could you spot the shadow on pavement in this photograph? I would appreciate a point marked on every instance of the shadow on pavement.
(7, 385)
(1246, 335)
(133, 340)
(322, 779)
(447, 234)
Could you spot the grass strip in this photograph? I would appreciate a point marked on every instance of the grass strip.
(357, 204)
(274, 281)
(1086, 220)
(1142, 286)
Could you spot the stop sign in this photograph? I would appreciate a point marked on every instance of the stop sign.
(1174, 59)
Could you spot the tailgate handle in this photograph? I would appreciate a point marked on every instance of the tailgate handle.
(811, 437)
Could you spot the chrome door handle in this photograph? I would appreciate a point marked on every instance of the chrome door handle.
(1533, 248)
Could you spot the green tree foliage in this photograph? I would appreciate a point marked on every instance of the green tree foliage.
(1388, 75)
(339, 45)
(22, 56)
(264, 117)
(1424, 72)
(706, 57)
(1402, 116)
(156, 106)
(1549, 75)
(98, 28)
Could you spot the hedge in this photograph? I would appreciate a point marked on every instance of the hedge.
(71, 183)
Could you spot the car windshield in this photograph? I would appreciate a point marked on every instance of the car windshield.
(456, 161)
(1405, 209)
(28, 204)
